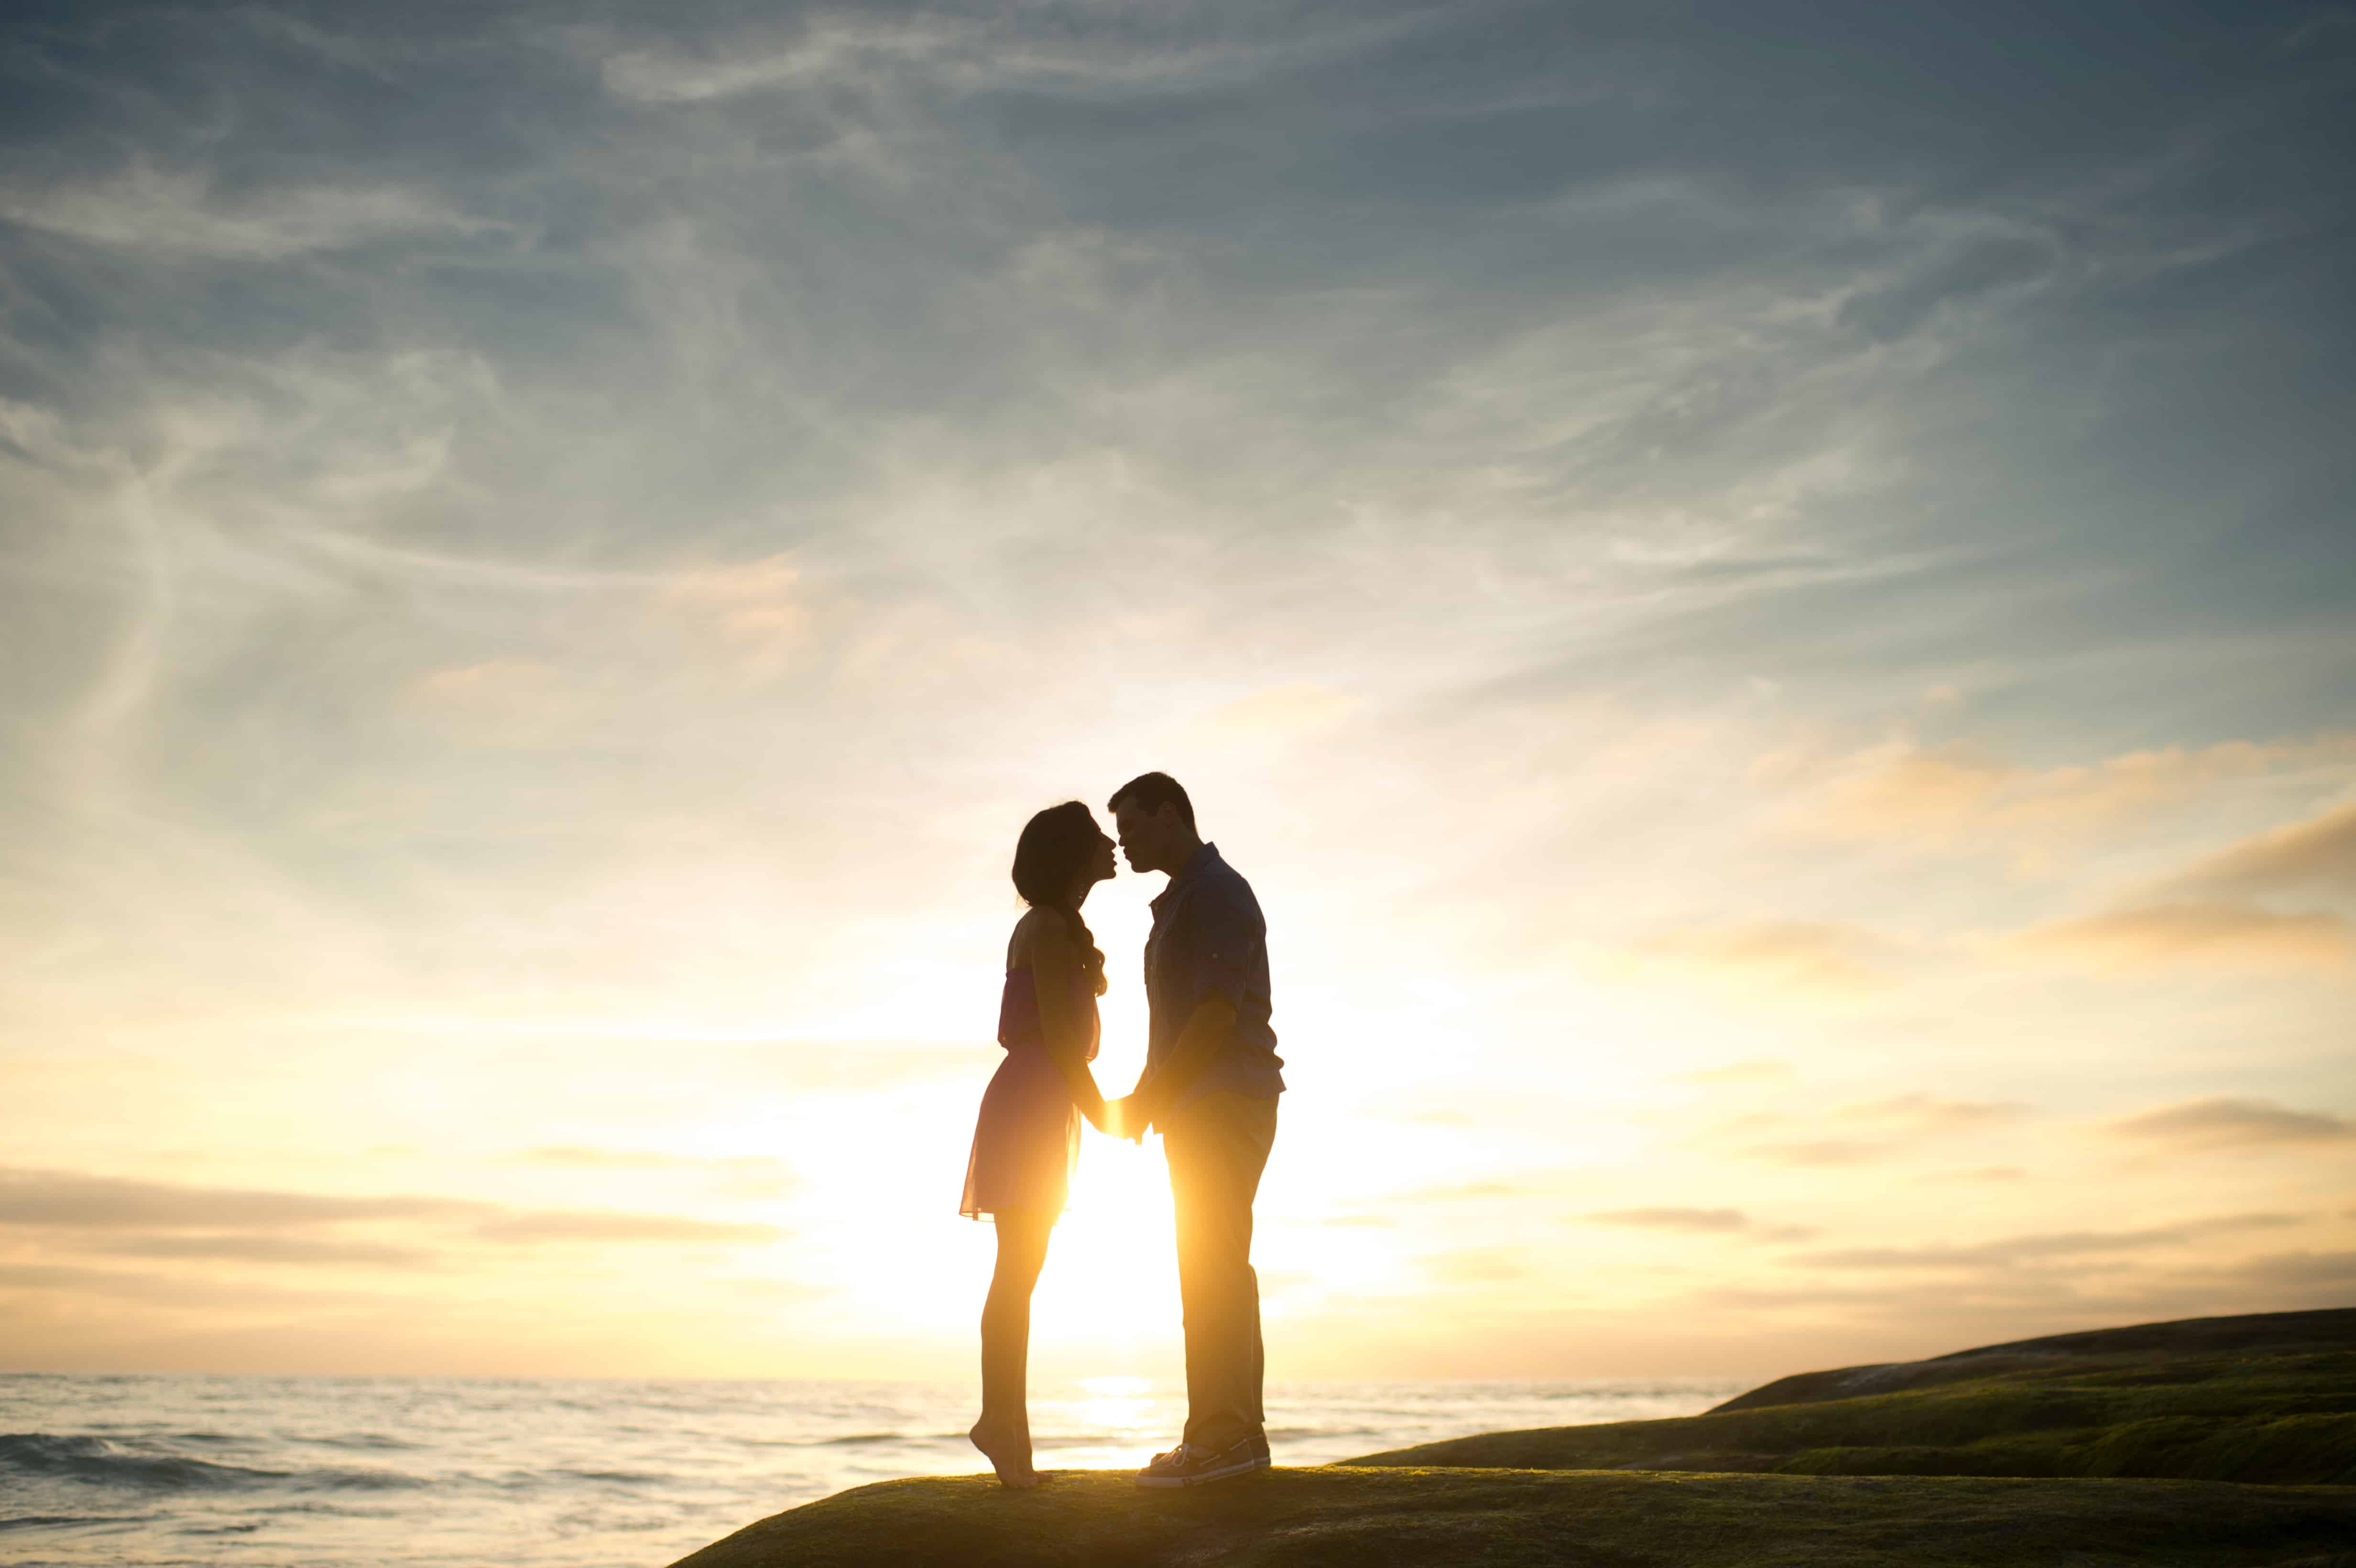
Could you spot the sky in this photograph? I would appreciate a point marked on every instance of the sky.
(1765, 592)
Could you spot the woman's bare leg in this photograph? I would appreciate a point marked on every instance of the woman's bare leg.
(1003, 1433)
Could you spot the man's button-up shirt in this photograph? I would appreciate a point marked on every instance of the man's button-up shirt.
(1208, 935)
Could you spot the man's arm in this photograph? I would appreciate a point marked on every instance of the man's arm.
(1196, 1047)
(1224, 946)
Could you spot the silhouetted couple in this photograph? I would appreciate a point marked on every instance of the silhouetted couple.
(1209, 1088)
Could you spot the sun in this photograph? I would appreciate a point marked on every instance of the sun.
(1112, 1280)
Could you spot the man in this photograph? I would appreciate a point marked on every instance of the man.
(1211, 1079)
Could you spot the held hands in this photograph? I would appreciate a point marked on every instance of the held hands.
(1126, 1117)
(1115, 1118)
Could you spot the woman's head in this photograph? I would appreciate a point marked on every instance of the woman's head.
(1061, 855)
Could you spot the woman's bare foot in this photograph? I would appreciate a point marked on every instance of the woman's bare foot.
(1009, 1454)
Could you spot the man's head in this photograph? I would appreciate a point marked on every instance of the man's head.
(1156, 823)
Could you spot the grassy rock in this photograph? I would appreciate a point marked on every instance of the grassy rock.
(1506, 1518)
(2261, 1333)
(2144, 1446)
(2269, 1399)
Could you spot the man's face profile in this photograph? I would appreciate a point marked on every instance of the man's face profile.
(1143, 833)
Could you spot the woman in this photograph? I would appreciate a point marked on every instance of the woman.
(1028, 1136)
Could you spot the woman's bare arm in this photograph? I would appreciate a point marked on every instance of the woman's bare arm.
(1055, 975)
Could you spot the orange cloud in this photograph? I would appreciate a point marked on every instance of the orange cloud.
(561, 1226)
(1479, 1266)
(500, 702)
(1289, 710)
(87, 1213)
(1902, 790)
(1927, 1113)
(1672, 1219)
(2018, 1252)
(2223, 1121)
(263, 1248)
(1462, 1191)
(1818, 1152)
(69, 1199)
(1699, 1222)
(2315, 856)
(757, 610)
(748, 1176)
(1980, 1173)
(1807, 954)
(2223, 934)
(1752, 1070)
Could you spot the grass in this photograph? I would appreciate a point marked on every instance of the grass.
(2215, 1443)
(1339, 1517)
(2283, 1415)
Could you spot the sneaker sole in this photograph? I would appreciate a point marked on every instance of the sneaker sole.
(1240, 1467)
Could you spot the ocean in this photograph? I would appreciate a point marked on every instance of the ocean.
(321, 1472)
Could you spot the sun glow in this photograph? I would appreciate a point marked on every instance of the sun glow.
(1111, 1279)
(1116, 1424)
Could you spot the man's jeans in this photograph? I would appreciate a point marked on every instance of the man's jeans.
(1216, 1146)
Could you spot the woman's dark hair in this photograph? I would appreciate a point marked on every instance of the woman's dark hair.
(1057, 846)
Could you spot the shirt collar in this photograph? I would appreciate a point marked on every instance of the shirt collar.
(1197, 863)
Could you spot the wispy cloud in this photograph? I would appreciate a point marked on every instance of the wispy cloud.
(302, 1251)
(174, 1292)
(2221, 933)
(65, 1198)
(1475, 1191)
(1752, 1070)
(2318, 855)
(177, 214)
(1820, 1153)
(1672, 1218)
(1809, 955)
(2018, 1252)
(2228, 1121)
(1929, 1113)
(84, 1214)
(1942, 795)
(628, 1228)
(1698, 1221)
(742, 1176)
(1479, 1266)
(592, 1157)
(2300, 1270)
(828, 49)
(949, 53)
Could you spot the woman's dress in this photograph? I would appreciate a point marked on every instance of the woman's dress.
(1027, 1139)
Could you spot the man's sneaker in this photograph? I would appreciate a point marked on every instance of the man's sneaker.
(1188, 1466)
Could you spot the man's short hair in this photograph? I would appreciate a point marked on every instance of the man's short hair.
(1150, 793)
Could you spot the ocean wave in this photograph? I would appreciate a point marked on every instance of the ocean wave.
(851, 1440)
(61, 1520)
(369, 1440)
(240, 1472)
(101, 1463)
